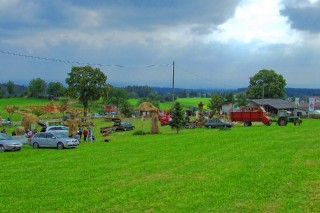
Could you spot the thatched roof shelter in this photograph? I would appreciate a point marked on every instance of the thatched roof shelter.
(147, 107)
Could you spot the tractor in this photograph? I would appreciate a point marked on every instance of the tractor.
(284, 117)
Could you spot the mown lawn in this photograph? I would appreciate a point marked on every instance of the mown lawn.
(245, 169)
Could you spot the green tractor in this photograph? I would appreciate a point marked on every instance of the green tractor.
(284, 117)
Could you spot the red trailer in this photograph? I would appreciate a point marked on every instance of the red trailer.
(251, 114)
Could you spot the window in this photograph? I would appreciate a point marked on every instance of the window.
(42, 135)
(49, 135)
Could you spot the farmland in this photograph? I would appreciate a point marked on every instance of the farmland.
(245, 169)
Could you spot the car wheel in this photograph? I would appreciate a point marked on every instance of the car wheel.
(60, 145)
(2, 148)
(35, 145)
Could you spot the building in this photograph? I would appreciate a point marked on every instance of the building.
(274, 105)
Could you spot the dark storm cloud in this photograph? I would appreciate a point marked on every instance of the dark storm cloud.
(115, 14)
(166, 12)
(304, 18)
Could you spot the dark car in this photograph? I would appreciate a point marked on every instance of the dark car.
(124, 126)
(218, 123)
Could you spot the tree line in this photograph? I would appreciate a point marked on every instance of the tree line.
(90, 84)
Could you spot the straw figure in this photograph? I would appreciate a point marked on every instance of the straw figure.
(154, 124)
(28, 120)
(20, 130)
(73, 124)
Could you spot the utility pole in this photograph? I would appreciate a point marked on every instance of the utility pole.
(172, 84)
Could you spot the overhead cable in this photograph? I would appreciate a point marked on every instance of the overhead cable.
(77, 62)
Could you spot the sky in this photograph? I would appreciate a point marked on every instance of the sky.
(213, 43)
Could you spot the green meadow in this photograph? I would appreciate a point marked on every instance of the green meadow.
(244, 169)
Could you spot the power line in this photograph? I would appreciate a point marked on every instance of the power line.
(81, 63)
(108, 65)
(202, 77)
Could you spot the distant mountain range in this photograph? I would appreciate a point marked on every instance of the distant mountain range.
(162, 90)
(291, 92)
(294, 92)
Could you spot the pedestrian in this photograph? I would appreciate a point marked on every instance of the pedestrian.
(77, 137)
(80, 131)
(85, 134)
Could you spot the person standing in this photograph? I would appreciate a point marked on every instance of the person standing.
(80, 132)
(85, 134)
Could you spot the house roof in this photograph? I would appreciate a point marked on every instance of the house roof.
(147, 106)
(276, 103)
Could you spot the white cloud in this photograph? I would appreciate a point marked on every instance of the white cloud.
(257, 22)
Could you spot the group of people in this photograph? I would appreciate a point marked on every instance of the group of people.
(87, 134)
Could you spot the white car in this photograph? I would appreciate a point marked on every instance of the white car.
(5, 122)
(63, 129)
(7, 143)
(53, 139)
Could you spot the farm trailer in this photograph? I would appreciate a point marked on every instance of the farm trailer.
(247, 115)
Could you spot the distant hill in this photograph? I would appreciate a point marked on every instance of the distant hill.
(294, 92)
(162, 90)
(299, 92)
(20, 89)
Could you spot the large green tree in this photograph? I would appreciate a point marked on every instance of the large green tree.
(117, 96)
(55, 89)
(2, 92)
(242, 99)
(11, 88)
(216, 103)
(86, 84)
(267, 84)
(178, 119)
(37, 87)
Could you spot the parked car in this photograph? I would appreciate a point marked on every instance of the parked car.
(5, 122)
(124, 126)
(218, 123)
(53, 139)
(62, 129)
(96, 115)
(8, 143)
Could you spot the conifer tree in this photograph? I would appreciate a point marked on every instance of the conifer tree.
(178, 118)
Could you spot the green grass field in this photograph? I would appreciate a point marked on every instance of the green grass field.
(245, 169)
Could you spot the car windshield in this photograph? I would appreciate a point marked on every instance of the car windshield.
(5, 137)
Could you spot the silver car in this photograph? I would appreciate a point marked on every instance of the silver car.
(8, 143)
(53, 139)
(63, 129)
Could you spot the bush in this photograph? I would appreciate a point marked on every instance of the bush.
(314, 116)
(140, 132)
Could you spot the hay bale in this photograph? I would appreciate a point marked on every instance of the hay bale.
(154, 124)
(73, 123)
(20, 130)
(28, 120)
